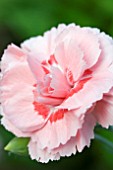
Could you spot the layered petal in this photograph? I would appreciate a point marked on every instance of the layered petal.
(17, 95)
(58, 130)
(103, 111)
(76, 143)
(106, 56)
(83, 38)
(91, 91)
(85, 134)
(70, 57)
(43, 44)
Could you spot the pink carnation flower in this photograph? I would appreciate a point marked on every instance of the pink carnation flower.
(56, 87)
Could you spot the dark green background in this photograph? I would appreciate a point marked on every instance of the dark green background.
(21, 19)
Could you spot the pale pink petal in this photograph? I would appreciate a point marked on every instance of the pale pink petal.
(41, 155)
(58, 131)
(85, 134)
(66, 150)
(43, 44)
(106, 56)
(83, 37)
(36, 67)
(37, 45)
(70, 57)
(12, 128)
(12, 57)
(89, 94)
(50, 100)
(59, 83)
(104, 110)
(17, 95)
(44, 155)
(50, 37)
(75, 62)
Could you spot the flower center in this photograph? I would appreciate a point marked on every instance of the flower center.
(57, 84)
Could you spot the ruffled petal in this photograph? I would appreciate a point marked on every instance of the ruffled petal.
(70, 57)
(58, 130)
(91, 92)
(85, 134)
(41, 155)
(59, 83)
(17, 95)
(44, 155)
(104, 110)
(83, 38)
(12, 128)
(106, 56)
(43, 44)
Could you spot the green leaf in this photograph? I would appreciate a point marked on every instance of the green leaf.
(105, 136)
(18, 146)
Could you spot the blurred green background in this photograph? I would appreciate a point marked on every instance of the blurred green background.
(21, 19)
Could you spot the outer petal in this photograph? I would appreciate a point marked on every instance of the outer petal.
(41, 155)
(82, 139)
(12, 128)
(104, 110)
(67, 149)
(59, 131)
(17, 91)
(106, 56)
(83, 38)
(85, 134)
(43, 44)
(44, 155)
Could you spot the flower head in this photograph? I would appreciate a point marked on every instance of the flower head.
(56, 87)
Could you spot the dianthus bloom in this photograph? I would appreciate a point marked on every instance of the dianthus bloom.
(56, 87)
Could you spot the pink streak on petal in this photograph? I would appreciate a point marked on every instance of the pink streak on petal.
(57, 115)
(41, 109)
(89, 94)
(53, 133)
(17, 92)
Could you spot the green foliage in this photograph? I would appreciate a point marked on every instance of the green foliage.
(21, 19)
(105, 136)
(28, 18)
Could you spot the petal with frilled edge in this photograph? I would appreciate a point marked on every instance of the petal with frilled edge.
(104, 110)
(85, 134)
(61, 126)
(91, 91)
(17, 95)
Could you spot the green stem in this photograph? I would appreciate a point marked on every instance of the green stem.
(104, 140)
